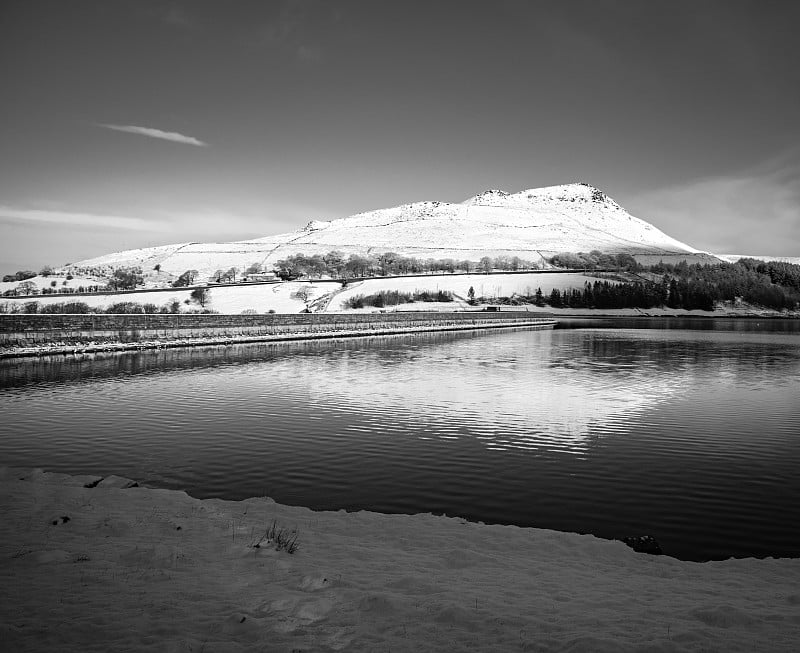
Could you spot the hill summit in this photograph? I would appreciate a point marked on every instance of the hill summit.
(533, 224)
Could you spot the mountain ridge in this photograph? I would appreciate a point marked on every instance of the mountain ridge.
(533, 224)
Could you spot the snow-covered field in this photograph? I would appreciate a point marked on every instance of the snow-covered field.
(531, 224)
(101, 569)
(225, 299)
(489, 286)
(328, 296)
(46, 282)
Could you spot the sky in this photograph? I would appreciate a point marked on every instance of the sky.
(126, 124)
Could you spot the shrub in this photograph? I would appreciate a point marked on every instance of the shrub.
(126, 279)
(186, 279)
(200, 296)
(66, 307)
(356, 301)
(430, 296)
(394, 297)
(135, 307)
(27, 288)
(125, 307)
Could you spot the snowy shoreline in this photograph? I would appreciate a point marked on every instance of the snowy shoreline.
(55, 349)
(537, 316)
(88, 566)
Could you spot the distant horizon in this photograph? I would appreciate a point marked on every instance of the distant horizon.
(139, 124)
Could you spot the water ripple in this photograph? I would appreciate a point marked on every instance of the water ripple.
(691, 436)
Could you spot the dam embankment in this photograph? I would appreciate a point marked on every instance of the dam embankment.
(30, 335)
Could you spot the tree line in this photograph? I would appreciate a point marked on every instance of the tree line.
(19, 275)
(772, 284)
(685, 286)
(595, 260)
(779, 272)
(338, 266)
(82, 308)
(607, 295)
(394, 297)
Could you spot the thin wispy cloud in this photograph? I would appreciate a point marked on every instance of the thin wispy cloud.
(74, 219)
(152, 132)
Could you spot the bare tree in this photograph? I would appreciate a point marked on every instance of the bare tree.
(200, 296)
(304, 295)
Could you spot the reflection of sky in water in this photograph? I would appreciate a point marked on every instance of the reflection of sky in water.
(554, 391)
(536, 390)
(552, 429)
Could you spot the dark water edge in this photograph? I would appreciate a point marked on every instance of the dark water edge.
(748, 324)
(688, 435)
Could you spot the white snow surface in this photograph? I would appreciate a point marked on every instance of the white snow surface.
(329, 296)
(46, 282)
(531, 224)
(154, 569)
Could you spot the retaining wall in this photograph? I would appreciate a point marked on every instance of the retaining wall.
(22, 330)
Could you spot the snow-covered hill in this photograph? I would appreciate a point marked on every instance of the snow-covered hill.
(532, 224)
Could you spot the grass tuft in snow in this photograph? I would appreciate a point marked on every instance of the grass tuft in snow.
(280, 539)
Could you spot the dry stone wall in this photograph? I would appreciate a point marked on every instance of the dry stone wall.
(21, 330)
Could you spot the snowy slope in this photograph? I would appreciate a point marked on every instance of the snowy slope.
(531, 224)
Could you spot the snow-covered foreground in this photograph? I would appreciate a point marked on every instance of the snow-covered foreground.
(99, 569)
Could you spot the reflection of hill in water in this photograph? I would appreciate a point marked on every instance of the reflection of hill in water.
(544, 389)
(519, 389)
(97, 367)
(688, 435)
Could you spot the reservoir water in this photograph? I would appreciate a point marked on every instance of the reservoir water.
(687, 430)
